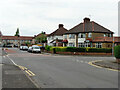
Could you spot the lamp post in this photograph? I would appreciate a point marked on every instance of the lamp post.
(113, 45)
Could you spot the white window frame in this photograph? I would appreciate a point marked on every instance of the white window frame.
(71, 44)
(81, 45)
(89, 35)
(65, 36)
(98, 45)
(81, 35)
(71, 36)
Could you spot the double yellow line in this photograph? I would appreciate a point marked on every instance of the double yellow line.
(30, 73)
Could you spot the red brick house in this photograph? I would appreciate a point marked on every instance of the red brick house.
(15, 40)
(90, 34)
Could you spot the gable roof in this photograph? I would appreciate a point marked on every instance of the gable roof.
(88, 26)
(40, 35)
(60, 31)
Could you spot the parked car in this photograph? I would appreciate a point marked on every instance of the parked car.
(36, 49)
(25, 48)
(30, 49)
(21, 47)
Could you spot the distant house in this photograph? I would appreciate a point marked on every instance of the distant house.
(89, 34)
(0, 37)
(34, 41)
(15, 40)
(56, 37)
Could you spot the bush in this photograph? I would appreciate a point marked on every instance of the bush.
(48, 48)
(117, 52)
(75, 49)
(100, 50)
(59, 49)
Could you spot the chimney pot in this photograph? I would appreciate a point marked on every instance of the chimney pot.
(86, 20)
(61, 25)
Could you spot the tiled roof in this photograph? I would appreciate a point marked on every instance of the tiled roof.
(41, 34)
(107, 39)
(60, 31)
(88, 26)
(16, 38)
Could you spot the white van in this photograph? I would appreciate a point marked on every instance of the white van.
(36, 49)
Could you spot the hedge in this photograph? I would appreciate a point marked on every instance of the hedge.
(76, 49)
(100, 50)
(48, 48)
(117, 52)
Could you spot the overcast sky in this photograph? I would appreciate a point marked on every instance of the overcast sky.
(34, 16)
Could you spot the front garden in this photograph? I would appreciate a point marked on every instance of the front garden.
(78, 51)
(117, 53)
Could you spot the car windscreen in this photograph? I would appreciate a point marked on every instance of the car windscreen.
(36, 48)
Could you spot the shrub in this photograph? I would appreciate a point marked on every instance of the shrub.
(59, 49)
(100, 50)
(48, 48)
(75, 49)
(117, 52)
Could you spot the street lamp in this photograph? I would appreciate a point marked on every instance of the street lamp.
(113, 45)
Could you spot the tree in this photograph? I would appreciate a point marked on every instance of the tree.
(42, 38)
(17, 32)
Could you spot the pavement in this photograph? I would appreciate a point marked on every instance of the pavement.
(65, 71)
(13, 77)
(110, 64)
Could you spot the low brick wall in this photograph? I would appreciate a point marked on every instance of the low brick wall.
(118, 60)
(10, 51)
(82, 53)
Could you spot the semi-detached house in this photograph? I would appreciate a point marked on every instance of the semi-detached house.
(56, 37)
(89, 34)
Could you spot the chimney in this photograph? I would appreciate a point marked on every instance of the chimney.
(86, 20)
(1, 34)
(61, 25)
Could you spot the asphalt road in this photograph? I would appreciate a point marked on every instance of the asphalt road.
(61, 71)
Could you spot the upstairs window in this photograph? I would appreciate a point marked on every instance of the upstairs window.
(65, 36)
(89, 35)
(81, 35)
(104, 35)
(71, 36)
(109, 35)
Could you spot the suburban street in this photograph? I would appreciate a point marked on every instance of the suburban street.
(63, 71)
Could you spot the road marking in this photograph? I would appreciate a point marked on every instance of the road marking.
(91, 63)
(30, 73)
